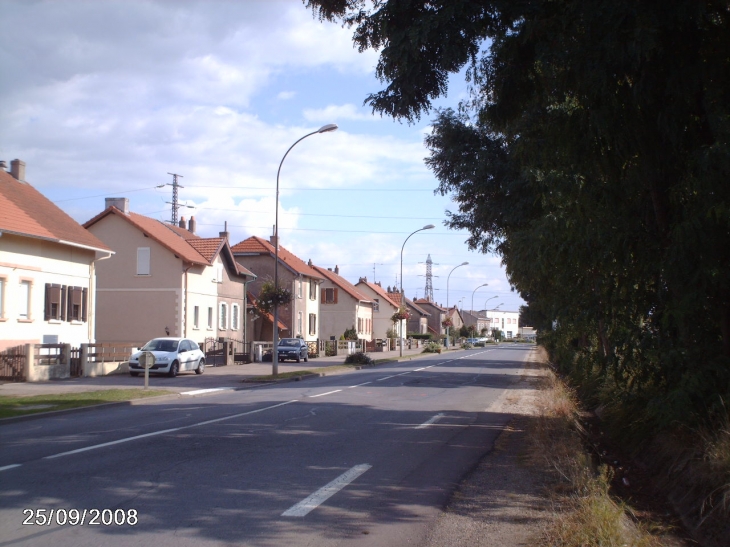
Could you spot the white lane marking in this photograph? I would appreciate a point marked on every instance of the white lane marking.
(422, 368)
(402, 373)
(6, 467)
(211, 390)
(435, 419)
(327, 491)
(323, 394)
(154, 433)
(386, 378)
(358, 385)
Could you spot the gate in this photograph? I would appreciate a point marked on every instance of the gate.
(76, 370)
(12, 364)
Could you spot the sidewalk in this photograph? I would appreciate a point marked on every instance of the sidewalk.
(231, 377)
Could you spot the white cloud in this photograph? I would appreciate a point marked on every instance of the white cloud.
(286, 95)
(333, 113)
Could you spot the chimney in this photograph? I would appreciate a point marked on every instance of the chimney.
(337, 269)
(309, 263)
(330, 269)
(17, 169)
(274, 240)
(363, 280)
(182, 223)
(120, 203)
(191, 225)
(224, 233)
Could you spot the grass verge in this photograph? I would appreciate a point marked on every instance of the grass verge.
(586, 515)
(11, 406)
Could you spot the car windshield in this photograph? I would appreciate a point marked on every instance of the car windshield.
(160, 345)
(291, 342)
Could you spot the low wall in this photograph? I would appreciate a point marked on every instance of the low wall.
(36, 369)
(105, 359)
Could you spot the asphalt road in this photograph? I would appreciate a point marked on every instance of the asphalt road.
(364, 458)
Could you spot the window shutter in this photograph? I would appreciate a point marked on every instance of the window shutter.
(336, 295)
(47, 306)
(323, 296)
(143, 261)
(63, 302)
(84, 303)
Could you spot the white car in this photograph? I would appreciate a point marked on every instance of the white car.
(172, 355)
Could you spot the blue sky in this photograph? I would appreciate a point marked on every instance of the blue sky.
(103, 99)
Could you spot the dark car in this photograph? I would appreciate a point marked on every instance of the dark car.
(294, 349)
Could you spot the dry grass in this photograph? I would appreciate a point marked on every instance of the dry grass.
(585, 513)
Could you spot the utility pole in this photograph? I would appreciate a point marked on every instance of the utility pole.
(174, 203)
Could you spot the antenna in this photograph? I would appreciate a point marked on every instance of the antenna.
(376, 264)
(428, 295)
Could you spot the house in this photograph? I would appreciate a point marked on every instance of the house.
(478, 320)
(301, 316)
(457, 320)
(418, 321)
(383, 308)
(48, 266)
(436, 319)
(343, 307)
(165, 280)
(506, 321)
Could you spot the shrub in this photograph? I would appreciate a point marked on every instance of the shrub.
(467, 345)
(432, 347)
(358, 358)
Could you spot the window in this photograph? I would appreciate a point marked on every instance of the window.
(234, 317)
(76, 307)
(54, 309)
(24, 301)
(299, 287)
(300, 319)
(210, 318)
(196, 317)
(143, 261)
(329, 296)
(376, 304)
(312, 323)
(223, 322)
(359, 324)
(2, 298)
(219, 272)
(312, 290)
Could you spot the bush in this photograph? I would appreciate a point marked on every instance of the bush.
(467, 345)
(358, 358)
(432, 347)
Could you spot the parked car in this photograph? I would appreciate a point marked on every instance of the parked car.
(293, 348)
(172, 355)
(472, 340)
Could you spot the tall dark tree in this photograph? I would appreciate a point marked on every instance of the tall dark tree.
(592, 155)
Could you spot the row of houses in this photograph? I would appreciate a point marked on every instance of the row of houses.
(122, 277)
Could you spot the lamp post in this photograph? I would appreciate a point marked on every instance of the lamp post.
(275, 353)
(402, 295)
(448, 329)
(472, 295)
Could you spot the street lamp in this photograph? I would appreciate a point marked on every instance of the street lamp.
(448, 329)
(472, 295)
(275, 353)
(402, 295)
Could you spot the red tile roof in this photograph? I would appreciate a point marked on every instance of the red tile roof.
(208, 247)
(380, 291)
(424, 301)
(255, 244)
(164, 234)
(343, 283)
(27, 212)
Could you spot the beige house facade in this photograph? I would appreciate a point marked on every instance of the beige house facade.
(383, 308)
(164, 280)
(47, 268)
(299, 318)
(436, 319)
(343, 307)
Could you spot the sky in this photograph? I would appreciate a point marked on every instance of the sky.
(105, 98)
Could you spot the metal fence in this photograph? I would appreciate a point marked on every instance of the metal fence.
(12, 364)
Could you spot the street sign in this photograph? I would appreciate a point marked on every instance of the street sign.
(147, 359)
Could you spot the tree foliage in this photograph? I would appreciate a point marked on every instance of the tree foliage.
(592, 156)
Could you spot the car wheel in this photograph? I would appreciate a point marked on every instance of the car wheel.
(201, 366)
(306, 358)
(174, 368)
(134, 374)
(299, 358)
